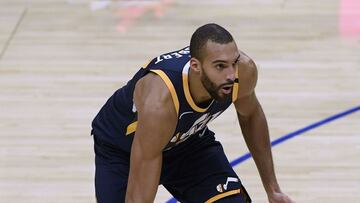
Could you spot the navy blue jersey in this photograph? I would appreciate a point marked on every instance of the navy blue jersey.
(117, 120)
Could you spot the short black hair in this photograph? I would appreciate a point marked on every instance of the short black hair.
(203, 34)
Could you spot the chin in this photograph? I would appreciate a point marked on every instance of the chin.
(222, 98)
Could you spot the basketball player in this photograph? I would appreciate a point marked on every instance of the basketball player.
(154, 129)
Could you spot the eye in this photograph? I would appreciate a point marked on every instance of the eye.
(220, 66)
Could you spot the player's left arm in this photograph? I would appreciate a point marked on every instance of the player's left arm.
(255, 130)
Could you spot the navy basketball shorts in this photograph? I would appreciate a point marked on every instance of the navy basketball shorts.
(194, 175)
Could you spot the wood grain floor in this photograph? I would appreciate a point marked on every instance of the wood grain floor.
(60, 61)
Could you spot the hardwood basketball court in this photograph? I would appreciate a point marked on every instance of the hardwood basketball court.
(60, 60)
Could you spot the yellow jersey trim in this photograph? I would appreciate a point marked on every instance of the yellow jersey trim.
(222, 195)
(131, 128)
(171, 88)
(189, 99)
(236, 87)
(145, 64)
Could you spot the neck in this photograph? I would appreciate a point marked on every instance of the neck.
(197, 89)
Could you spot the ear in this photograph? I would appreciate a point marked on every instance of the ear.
(195, 65)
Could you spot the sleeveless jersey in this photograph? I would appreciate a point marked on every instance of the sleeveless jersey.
(117, 120)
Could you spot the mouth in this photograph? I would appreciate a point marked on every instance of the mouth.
(226, 89)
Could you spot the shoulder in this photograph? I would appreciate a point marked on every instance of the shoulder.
(247, 75)
(153, 94)
(247, 66)
(153, 87)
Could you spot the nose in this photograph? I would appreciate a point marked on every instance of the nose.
(230, 74)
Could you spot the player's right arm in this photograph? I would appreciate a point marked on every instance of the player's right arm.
(157, 119)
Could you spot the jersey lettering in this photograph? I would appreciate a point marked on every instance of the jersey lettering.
(199, 125)
(178, 54)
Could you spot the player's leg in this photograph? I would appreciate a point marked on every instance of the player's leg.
(222, 187)
(203, 174)
(111, 175)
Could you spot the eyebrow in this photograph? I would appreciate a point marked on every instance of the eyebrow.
(237, 59)
(223, 61)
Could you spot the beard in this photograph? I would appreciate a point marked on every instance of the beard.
(214, 90)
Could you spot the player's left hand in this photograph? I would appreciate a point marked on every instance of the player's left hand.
(279, 197)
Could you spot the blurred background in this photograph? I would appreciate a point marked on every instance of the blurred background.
(61, 59)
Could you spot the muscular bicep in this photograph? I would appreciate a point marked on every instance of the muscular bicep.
(156, 123)
(156, 116)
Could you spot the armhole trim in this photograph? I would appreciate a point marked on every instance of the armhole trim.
(236, 87)
(131, 128)
(171, 88)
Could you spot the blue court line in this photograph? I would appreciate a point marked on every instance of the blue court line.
(292, 135)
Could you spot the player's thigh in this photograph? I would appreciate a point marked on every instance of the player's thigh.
(205, 175)
(111, 175)
(224, 189)
(110, 186)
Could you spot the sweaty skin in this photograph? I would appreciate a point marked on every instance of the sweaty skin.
(255, 129)
(157, 119)
(220, 64)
